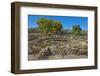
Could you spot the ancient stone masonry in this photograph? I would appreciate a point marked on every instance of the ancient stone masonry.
(41, 46)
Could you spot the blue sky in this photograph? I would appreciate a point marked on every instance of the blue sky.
(67, 21)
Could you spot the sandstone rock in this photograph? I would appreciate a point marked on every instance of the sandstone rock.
(65, 49)
(75, 51)
(45, 52)
(54, 50)
(83, 51)
(83, 45)
(35, 49)
(49, 50)
(30, 51)
(56, 45)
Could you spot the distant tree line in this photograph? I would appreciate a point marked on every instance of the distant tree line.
(53, 26)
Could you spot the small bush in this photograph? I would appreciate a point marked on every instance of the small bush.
(76, 30)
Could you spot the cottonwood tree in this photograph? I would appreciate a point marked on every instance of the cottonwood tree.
(49, 26)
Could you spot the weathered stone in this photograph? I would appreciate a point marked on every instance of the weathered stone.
(65, 50)
(56, 45)
(74, 51)
(83, 51)
(82, 45)
(54, 50)
(30, 51)
(45, 52)
(35, 50)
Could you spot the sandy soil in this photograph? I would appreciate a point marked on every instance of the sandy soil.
(36, 57)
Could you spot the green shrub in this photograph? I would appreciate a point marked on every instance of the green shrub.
(76, 30)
